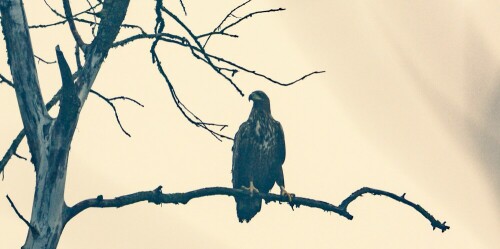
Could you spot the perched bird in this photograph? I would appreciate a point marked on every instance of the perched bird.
(258, 156)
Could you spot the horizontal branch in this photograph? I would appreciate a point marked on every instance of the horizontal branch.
(365, 190)
(157, 197)
(81, 20)
(171, 38)
(239, 67)
(44, 61)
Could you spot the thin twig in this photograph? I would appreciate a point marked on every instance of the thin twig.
(201, 49)
(11, 150)
(77, 58)
(223, 20)
(38, 26)
(82, 20)
(95, 17)
(133, 27)
(44, 61)
(217, 33)
(157, 197)
(245, 69)
(182, 108)
(20, 157)
(31, 227)
(110, 103)
(144, 36)
(127, 98)
(6, 81)
(183, 7)
(188, 114)
(250, 15)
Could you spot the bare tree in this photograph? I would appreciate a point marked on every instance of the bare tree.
(49, 139)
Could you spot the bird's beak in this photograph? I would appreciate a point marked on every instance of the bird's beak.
(253, 97)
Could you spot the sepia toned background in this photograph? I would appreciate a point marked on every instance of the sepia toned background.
(409, 103)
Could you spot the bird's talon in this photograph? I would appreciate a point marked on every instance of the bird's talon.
(287, 194)
(252, 189)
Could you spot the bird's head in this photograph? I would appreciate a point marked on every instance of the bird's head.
(258, 97)
(260, 101)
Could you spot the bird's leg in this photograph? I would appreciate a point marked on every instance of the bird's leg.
(252, 188)
(286, 193)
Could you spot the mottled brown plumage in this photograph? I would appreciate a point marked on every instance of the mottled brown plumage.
(258, 156)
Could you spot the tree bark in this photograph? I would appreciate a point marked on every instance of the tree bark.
(22, 65)
(49, 139)
(48, 202)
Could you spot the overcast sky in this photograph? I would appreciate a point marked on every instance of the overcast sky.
(409, 103)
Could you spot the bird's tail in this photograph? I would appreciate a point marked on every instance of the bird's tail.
(247, 207)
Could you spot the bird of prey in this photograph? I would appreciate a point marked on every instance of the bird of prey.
(258, 156)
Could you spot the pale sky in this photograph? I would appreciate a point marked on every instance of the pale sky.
(409, 104)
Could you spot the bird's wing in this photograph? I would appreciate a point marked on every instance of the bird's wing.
(280, 144)
(240, 148)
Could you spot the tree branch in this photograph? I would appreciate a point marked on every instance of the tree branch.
(24, 75)
(13, 147)
(72, 26)
(198, 52)
(250, 15)
(70, 103)
(12, 150)
(110, 103)
(183, 7)
(157, 197)
(223, 20)
(230, 63)
(94, 15)
(44, 61)
(75, 18)
(171, 38)
(201, 49)
(365, 190)
(20, 157)
(6, 81)
(112, 16)
(188, 114)
(31, 227)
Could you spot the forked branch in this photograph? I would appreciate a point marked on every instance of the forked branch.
(109, 101)
(157, 197)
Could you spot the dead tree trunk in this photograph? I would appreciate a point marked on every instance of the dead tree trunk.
(49, 139)
(51, 170)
